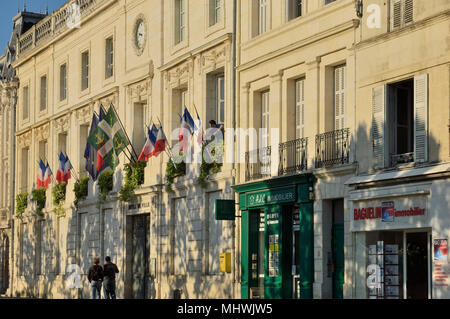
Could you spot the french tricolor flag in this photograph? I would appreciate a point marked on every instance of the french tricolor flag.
(150, 143)
(160, 145)
(40, 175)
(67, 167)
(61, 168)
(47, 176)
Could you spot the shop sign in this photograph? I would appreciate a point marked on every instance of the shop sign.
(273, 196)
(377, 212)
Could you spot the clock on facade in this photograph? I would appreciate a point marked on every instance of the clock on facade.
(139, 35)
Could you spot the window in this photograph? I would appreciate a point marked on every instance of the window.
(328, 1)
(183, 100)
(62, 143)
(43, 98)
(265, 118)
(25, 107)
(402, 12)
(300, 108)
(84, 70)
(63, 82)
(43, 147)
(400, 122)
(215, 11)
(180, 21)
(339, 97)
(262, 16)
(294, 9)
(84, 131)
(109, 58)
(139, 132)
(24, 170)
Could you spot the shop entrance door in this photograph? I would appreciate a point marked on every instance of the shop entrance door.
(417, 265)
(296, 253)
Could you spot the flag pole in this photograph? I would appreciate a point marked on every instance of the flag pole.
(52, 177)
(123, 128)
(73, 169)
(170, 148)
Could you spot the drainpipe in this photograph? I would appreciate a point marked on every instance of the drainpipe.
(13, 183)
(236, 232)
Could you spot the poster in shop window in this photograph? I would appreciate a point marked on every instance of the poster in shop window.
(440, 249)
(387, 212)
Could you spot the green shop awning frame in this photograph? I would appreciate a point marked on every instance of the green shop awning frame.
(276, 197)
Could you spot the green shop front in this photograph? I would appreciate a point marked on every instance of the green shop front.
(277, 258)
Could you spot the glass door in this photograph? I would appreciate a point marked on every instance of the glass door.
(295, 253)
(417, 263)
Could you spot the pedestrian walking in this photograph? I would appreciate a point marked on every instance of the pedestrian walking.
(95, 277)
(109, 284)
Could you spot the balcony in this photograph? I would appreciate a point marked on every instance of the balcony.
(332, 148)
(56, 23)
(292, 159)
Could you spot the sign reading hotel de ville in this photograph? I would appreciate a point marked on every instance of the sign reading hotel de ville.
(405, 212)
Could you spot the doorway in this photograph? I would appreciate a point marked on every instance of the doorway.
(338, 249)
(140, 256)
(417, 265)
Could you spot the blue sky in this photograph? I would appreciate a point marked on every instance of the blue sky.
(8, 9)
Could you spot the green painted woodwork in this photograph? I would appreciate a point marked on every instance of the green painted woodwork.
(224, 209)
(245, 262)
(306, 251)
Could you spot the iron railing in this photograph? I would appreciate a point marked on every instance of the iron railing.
(332, 148)
(292, 159)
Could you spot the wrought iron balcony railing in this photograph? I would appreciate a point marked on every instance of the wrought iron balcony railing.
(332, 148)
(292, 159)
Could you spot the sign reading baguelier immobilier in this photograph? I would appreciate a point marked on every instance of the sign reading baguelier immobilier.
(376, 212)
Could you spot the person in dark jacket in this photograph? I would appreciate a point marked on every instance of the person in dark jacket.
(109, 284)
(95, 277)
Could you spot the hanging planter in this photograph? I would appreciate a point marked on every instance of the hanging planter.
(21, 204)
(81, 190)
(210, 168)
(39, 196)
(173, 171)
(105, 183)
(134, 177)
(59, 197)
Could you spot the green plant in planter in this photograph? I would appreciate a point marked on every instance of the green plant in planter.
(134, 176)
(208, 168)
(39, 196)
(59, 196)
(21, 204)
(81, 189)
(173, 171)
(105, 183)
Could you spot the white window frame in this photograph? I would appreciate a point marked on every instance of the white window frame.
(265, 117)
(63, 82)
(26, 102)
(43, 93)
(263, 18)
(290, 4)
(339, 83)
(402, 13)
(220, 102)
(85, 70)
(180, 21)
(109, 57)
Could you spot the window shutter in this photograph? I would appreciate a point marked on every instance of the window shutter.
(421, 118)
(408, 11)
(396, 13)
(378, 125)
(339, 98)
